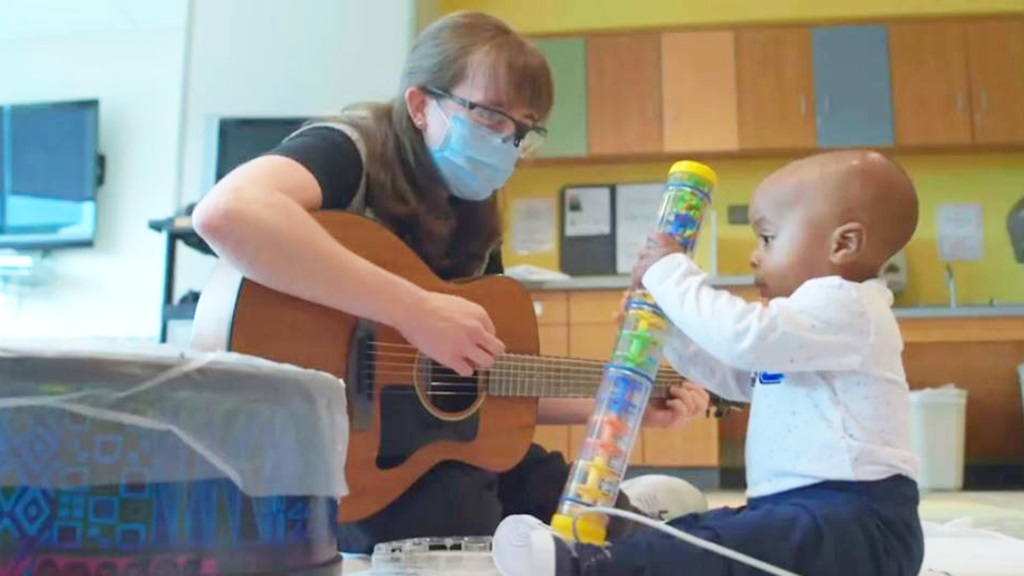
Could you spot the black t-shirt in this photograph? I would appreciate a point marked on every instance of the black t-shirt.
(333, 159)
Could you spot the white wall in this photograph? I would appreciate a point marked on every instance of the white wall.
(229, 57)
(283, 58)
(113, 289)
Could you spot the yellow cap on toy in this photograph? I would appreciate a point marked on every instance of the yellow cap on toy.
(590, 530)
(697, 168)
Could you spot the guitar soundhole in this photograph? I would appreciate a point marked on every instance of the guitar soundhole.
(446, 391)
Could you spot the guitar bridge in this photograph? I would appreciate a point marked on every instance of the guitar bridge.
(359, 383)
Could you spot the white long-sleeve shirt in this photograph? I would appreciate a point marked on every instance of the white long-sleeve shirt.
(822, 370)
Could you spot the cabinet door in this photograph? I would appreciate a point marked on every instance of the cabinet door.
(775, 85)
(698, 77)
(551, 309)
(995, 54)
(554, 340)
(624, 93)
(852, 95)
(694, 445)
(929, 83)
(567, 124)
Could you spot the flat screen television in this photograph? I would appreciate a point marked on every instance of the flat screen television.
(50, 170)
(242, 139)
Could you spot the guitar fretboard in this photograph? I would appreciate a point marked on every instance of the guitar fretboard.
(555, 377)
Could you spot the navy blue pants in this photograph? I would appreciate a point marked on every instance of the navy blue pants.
(848, 528)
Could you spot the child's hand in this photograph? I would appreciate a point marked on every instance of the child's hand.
(658, 246)
(684, 402)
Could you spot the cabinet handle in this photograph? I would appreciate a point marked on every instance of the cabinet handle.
(803, 105)
(984, 100)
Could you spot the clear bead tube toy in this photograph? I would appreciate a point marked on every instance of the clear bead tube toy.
(629, 377)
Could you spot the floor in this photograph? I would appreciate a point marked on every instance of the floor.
(997, 511)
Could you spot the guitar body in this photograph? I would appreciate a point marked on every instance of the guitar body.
(402, 422)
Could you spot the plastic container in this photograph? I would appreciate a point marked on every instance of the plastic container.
(938, 419)
(454, 556)
(627, 380)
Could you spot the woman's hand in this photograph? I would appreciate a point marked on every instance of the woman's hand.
(452, 331)
(683, 403)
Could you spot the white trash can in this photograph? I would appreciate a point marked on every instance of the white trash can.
(938, 421)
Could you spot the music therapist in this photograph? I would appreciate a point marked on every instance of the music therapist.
(473, 99)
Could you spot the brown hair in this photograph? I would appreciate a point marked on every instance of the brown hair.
(404, 189)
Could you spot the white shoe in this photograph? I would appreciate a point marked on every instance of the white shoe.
(664, 497)
(524, 546)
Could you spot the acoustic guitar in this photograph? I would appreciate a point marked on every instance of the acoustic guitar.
(407, 413)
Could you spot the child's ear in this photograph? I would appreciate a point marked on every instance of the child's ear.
(847, 243)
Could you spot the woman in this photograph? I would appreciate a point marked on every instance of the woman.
(474, 96)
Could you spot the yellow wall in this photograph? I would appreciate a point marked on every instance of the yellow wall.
(994, 180)
(560, 16)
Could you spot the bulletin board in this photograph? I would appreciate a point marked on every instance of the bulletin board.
(603, 226)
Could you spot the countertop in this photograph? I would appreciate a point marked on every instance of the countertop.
(927, 311)
(622, 282)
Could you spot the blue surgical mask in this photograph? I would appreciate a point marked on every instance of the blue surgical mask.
(473, 160)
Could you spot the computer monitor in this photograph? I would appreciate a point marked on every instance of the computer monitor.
(242, 139)
(50, 171)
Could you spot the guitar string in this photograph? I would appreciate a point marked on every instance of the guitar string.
(507, 364)
(576, 377)
(582, 385)
(572, 376)
(511, 360)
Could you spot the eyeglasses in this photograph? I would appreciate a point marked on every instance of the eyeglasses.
(526, 137)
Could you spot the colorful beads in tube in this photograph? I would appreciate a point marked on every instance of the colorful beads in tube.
(629, 377)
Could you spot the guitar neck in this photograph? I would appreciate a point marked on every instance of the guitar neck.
(555, 377)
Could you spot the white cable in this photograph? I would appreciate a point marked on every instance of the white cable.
(688, 538)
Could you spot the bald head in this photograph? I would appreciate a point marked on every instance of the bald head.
(853, 210)
(871, 188)
(856, 186)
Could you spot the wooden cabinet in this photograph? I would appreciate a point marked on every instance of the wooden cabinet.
(551, 309)
(698, 90)
(936, 83)
(775, 88)
(995, 57)
(694, 444)
(852, 94)
(929, 83)
(567, 123)
(554, 340)
(624, 93)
